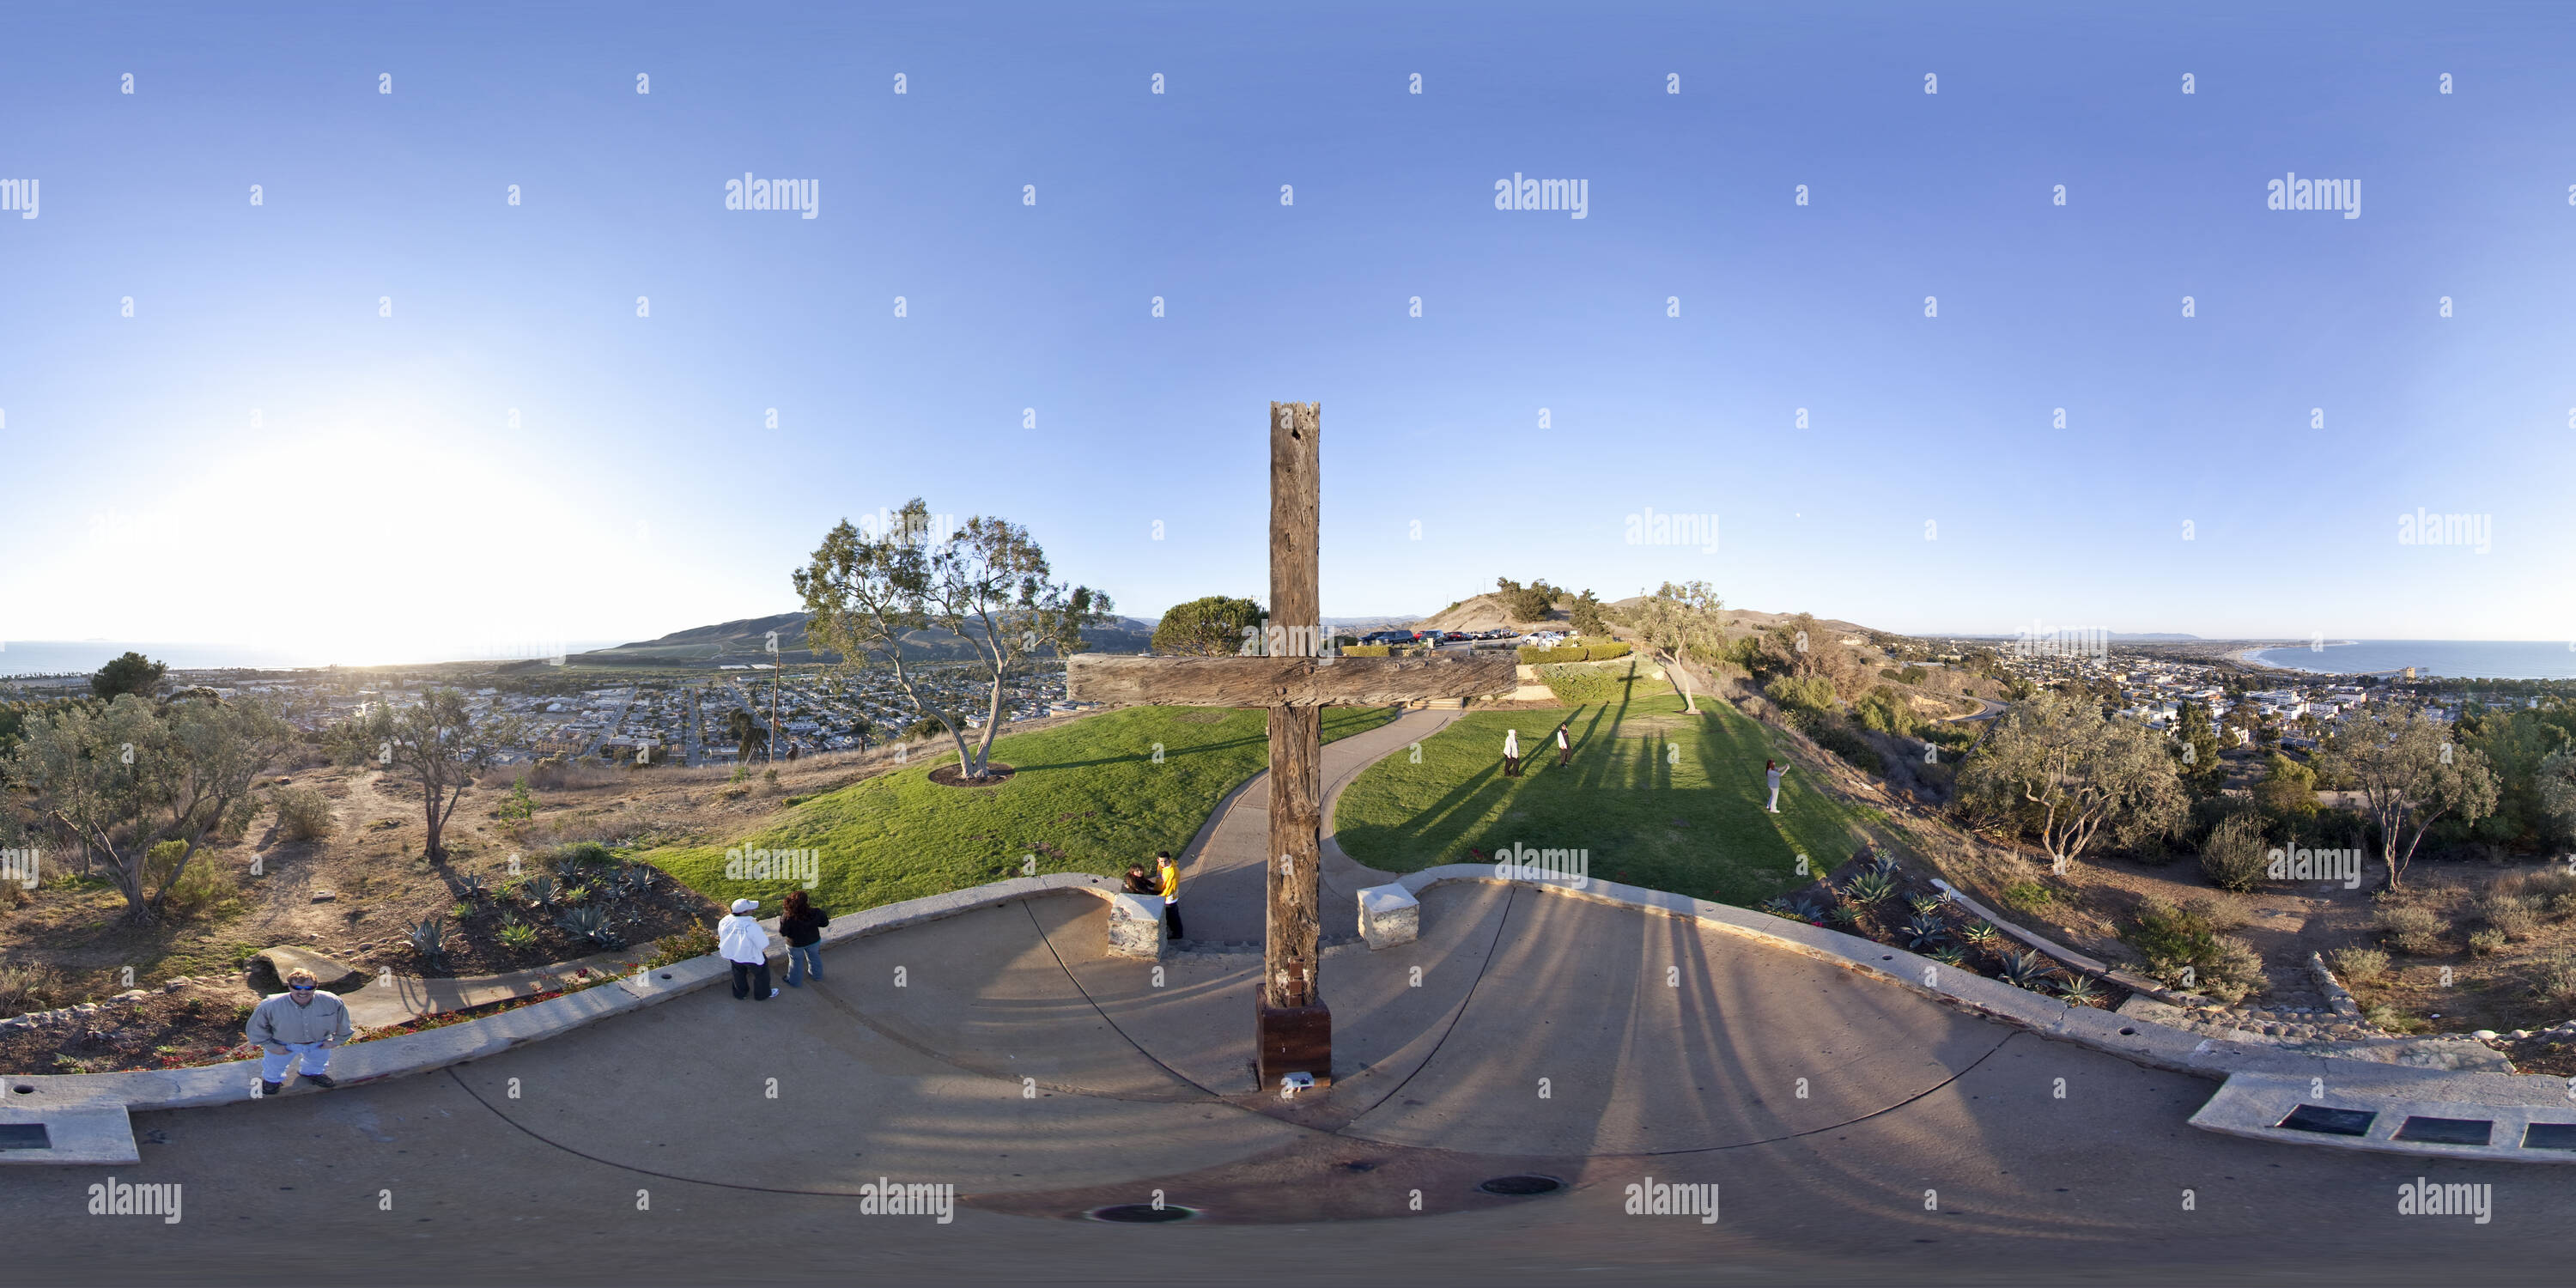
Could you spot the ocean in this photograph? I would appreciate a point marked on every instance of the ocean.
(58, 657)
(2450, 659)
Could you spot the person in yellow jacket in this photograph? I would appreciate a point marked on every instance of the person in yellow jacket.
(1171, 878)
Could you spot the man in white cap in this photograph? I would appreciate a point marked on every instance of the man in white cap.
(744, 943)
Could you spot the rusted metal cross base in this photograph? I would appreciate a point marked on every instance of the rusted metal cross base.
(1294, 1039)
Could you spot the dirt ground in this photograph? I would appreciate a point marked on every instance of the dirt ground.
(354, 894)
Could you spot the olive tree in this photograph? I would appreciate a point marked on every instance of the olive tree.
(987, 583)
(2065, 772)
(122, 779)
(439, 742)
(1675, 620)
(2410, 774)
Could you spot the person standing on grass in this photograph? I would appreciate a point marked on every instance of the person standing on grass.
(745, 944)
(802, 923)
(1564, 747)
(1771, 769)
(1171, 874)
(1511, 753)
(302, 1021)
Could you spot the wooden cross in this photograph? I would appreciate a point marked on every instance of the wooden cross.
(1297, 675)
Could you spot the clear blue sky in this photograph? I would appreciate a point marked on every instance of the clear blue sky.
(382, 495)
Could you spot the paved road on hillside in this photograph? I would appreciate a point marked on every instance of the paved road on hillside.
(1223, 890)
(1856, 1133)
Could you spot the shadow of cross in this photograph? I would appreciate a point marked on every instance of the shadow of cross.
(1295, 675)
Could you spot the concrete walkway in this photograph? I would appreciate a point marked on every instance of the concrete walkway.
(1223, 891)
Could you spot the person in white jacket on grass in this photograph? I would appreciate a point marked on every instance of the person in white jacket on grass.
(1511, 753)
(744, 943)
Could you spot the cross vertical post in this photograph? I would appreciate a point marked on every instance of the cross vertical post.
(1294, 1027)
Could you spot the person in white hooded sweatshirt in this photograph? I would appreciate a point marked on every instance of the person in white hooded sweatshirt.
(744, 943)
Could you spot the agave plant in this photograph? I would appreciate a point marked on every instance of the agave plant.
(591, 923)
(1886, 865)
(517, 933)
(635, 881)
(1868, 887)
(1842, 915)
(1950, 955)
(429, 938)
(1778, 905)
(2079, 990)
(1925, 905)
(470, 885)
(540, 889)
(2029, 970)
(1979, 934)
(1924, 931)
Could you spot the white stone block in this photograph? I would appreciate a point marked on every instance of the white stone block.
(1389, 915)
(1135, 927)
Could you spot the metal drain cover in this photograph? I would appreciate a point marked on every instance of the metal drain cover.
(1142, 1213)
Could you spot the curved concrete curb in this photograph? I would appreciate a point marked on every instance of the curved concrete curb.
(2256, 1075)
(394, 1057)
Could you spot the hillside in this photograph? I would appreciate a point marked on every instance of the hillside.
(1485, 612)
(745, 641)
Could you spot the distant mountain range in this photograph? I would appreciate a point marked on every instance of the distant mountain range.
(746, 641)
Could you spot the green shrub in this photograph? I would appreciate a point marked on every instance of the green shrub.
(2487, 942)
(2410, 929)
(204, 885)
(696, 941)
(2358, 965)
(2183, 946)
(1366, 650)
(1581, 685)
(2555, 977)
(517, 933)
(1836, 735)
(1883, 710)
(1802, 693)
(32, 987)
(2233, 858)
(1572, 653)
(2509, 916)
(303, 814)
(2029, 897)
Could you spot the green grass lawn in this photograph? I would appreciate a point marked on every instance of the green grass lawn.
(1659, 798)
(1087, 797)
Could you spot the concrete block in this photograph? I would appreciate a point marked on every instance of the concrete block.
(1135, 927)
(1389, 915)
(87, 1134)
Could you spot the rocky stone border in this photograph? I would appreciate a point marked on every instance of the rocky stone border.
(81, 1013)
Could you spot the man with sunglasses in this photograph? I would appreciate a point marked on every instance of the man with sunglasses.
(302, 1021)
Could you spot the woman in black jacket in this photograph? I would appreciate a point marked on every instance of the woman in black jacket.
(802, 926)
